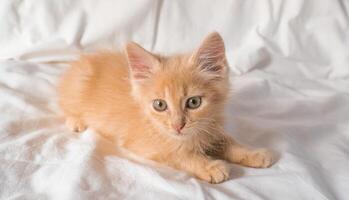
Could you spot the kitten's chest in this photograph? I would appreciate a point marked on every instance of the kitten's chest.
(216, 148)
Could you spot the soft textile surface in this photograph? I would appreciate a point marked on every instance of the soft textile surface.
(290, 69)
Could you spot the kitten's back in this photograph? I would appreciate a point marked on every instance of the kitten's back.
(96, 90)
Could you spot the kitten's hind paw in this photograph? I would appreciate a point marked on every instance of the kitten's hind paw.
(75, 125)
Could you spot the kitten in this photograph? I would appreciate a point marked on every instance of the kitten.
(167, 109)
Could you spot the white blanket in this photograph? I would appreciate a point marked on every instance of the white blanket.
(290, 69)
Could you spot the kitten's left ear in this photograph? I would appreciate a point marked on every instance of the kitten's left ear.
(210, 56)
(141, 62)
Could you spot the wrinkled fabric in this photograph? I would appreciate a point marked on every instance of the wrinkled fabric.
(289, 65)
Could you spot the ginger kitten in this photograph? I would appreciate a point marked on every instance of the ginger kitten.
(167, 109)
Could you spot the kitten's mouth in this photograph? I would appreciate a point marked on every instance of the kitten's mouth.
(179, 134)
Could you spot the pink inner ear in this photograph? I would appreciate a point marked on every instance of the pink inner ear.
(139, 69)
(141, 62)
(211, 59)
(210, 56)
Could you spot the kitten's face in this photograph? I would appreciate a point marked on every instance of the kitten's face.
(180, 101)
(182, 95)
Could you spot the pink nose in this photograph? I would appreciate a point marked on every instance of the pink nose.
(178, 127)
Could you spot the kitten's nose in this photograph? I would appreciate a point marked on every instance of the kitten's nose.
(178, 127)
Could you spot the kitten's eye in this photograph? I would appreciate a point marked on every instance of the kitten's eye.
(159, 105)
(193, 102)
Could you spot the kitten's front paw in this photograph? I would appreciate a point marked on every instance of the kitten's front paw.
(261, 158)
(216, 171)
(75, 125)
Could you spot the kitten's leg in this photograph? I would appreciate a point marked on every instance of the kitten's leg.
(204, 168)
(75, 124)
(258, 158)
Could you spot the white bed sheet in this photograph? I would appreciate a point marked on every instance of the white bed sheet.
(290, 69)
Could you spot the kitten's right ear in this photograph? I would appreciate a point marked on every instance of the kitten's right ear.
(141, 62)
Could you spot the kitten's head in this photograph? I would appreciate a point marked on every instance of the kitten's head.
(182, 95)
